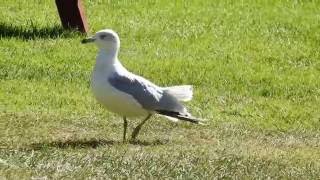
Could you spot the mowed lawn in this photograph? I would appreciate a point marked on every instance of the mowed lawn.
(255, 67)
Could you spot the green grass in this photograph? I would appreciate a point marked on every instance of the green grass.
(254, 64)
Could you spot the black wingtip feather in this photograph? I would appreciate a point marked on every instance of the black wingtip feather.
(179, 116)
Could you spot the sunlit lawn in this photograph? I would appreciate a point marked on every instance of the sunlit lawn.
(254, 66)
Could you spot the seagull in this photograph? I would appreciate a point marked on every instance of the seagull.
(130, 95)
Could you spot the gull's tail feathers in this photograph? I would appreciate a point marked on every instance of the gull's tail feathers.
(182, 93)
(175, 116)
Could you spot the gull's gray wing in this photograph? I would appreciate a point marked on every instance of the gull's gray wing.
(150, 96)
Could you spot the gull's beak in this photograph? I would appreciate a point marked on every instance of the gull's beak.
(88, 40)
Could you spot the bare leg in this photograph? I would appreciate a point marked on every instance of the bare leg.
(125, 124)
(137, 129)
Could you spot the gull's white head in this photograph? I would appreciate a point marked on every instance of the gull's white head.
(105, 39)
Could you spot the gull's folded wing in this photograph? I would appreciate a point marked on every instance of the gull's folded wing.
(148, 95)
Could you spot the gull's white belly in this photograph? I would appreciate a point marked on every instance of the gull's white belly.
(115, 100)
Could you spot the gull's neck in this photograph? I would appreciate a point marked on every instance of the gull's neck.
(107, 61)
(108, 56)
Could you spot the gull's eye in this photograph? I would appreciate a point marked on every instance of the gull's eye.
(103, 36)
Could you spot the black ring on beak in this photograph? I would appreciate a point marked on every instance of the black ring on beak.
(88, 40)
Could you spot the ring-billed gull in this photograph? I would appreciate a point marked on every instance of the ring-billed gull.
(130, 95)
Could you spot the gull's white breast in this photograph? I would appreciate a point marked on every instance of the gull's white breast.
(111, 98)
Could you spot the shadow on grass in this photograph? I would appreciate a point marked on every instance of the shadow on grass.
(149, 143)
(91, 143)
(34, 32)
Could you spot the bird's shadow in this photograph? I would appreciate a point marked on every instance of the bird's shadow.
(91, 143)
(149, 143)
(76, 144)
(33, 32)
